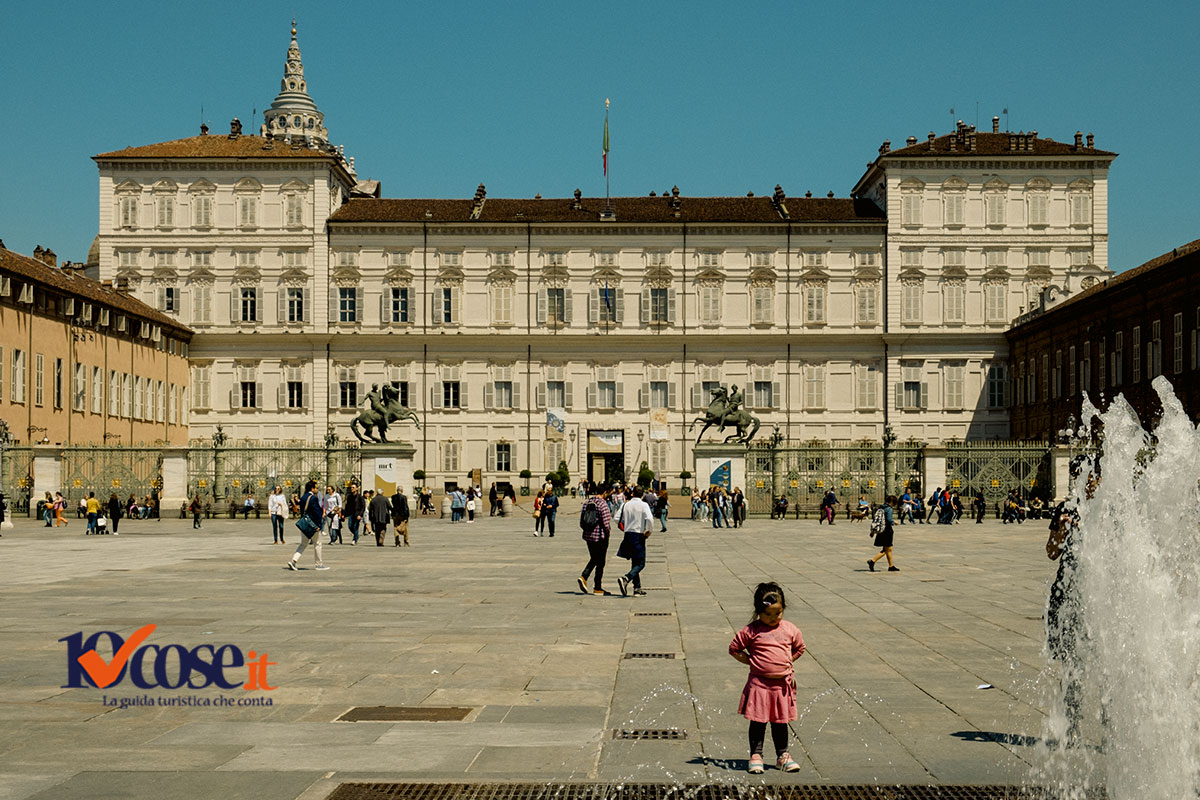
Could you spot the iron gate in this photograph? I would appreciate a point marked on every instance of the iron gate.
(997, 467)
(17, 477)
(110, 470)
(231, 473)
(804, 471)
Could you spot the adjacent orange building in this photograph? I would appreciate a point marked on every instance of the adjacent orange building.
(81, 362)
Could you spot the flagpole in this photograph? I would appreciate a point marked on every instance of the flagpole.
(607, 197)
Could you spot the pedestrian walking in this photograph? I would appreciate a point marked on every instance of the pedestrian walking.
(331, 505)
(309, 525)
(93, 513)
(769, 645)
(353, 511)
(60, 505)
(737, 504)
(661, 508)
(595, 520)
(379, 511)
(637, 522)
(196, 508)
(550, 511)
(980, 506)
(400, 515)
(882, 529)
(829, 507)
(493, 500)
(47, 509)
(538, 522)
(114, 512)
(277, 507)
(458, 505)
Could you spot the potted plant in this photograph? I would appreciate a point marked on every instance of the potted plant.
(525, 476)
(685, 489)
(645, 475)
(419, 477)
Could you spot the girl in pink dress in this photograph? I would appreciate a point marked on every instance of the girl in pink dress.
(769, 645)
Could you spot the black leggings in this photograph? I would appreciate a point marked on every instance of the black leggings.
(779, 735)
(597, 555)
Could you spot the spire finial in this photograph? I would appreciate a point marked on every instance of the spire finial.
(293, 27)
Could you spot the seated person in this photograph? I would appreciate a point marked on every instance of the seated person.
(248, 506)
(864, 509)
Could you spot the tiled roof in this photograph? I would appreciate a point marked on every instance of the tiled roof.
(214, 146)
(626, 209)
(994, 144)
(73, 284)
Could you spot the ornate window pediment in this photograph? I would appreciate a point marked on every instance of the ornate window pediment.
(996, 185)
(763, 276)
(710, 276)
(556, 276)
(996, 275)
(398, 276)
(1038, 184)
(202, 275)
(502, 276)
(294, 277)
(164, 275)
(247, 185)
(913, 184)
(128, 187)
(954, 184)
(867, 274)
(1080, 185)
(165, 186)
(294, 185)
(814, 275)
(659, 275)
(1038, 273)
(202, 186)
(346, 275)
(607, 275)
(954, 272)
(247, 276)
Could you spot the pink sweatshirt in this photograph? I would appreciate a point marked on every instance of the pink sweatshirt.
(771, 649)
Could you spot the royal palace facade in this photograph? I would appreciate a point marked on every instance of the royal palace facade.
(838, 317)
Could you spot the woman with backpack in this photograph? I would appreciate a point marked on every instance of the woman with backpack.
(881, 528)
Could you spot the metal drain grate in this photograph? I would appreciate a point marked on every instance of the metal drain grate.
(649, 655)
(657, 588)
(660, 734)
(405, 714)
(660, 791)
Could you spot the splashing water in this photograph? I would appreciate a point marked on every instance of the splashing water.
(1136, 647)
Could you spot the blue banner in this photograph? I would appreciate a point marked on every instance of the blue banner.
(721, 476)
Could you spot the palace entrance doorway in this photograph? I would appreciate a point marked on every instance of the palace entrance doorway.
(605, 456)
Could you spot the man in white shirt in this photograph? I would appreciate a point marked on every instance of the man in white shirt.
(637, 521)
(277, 506)
(331, 504)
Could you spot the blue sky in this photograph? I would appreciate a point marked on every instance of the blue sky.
(717, 98)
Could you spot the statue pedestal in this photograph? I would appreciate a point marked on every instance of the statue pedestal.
(388, 465)
(720, 464)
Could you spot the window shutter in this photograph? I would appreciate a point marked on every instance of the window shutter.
(281, 396)
(620, 404)
(672, 395)
(258, 305)
(333, 304)
(488, 396)
(670, 306)
(516, 395)
(776, 395)
(258, 394)
(697, 396)
(620, 299)
(281, 306)
(160, 298)
(435, 395)
(361, 392)
(924, 395)
(645, 307)
(335, 400)
(358, 304)
(539, 395)
(591, 396)
(235, 396)
(234, 311)
(462, 394)
(491, 457)
(384, 312)
(456, 305)
(305, 395)
(644, 397)
(899, 396)
(435, 307)
(568, 306)
(567, 395)
(593, 305)
(541, 307)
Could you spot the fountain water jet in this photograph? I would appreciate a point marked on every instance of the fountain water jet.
(1137, 584)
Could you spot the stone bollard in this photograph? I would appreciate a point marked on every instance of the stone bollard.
(506, 507)
(446, 507)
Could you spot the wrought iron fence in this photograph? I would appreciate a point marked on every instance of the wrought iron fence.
(995, 468)
(105, 470)
(17, 470)
(229, 473)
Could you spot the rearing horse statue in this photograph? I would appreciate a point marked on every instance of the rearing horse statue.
(385, 409)
(725, 410)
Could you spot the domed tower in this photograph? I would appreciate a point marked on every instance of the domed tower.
(293, 112)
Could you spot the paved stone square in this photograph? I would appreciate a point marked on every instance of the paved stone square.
(488, 617)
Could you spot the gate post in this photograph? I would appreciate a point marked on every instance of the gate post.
(935, 468)
(1060, 472)
(174, 489)
(47, 475)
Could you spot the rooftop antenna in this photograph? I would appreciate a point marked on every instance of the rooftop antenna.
(951, 116)
(253, 114)
(977, 114)
(1006, 125)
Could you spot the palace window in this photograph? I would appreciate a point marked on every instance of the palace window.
(953, 298)
(867, 295)
(399, 299)
(762, 305)
(997, 386)
(97, 390)
(502, 304)
(293, 211)
(1081, 208)
(202, 205)
(910, 208)
(814, 387)
(814, 303)
(911, 292)
(866, 387)
(996, 301)
(953, 207)
(709, 298)
(1039, 209)
(994, 206)
(952, 382)
(114, 392)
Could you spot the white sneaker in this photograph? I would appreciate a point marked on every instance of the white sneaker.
(291, 565)
(623, 585)
(322, 566)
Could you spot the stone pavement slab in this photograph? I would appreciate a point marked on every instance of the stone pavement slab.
(487, 616)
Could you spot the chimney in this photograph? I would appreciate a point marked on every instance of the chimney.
(971, 141)
(235, 128)
(885, 147)
(1091, 141)
(1012, 142)
(203, 129)
(932, 136)
(954, 144)
(674, 191)
(910, 141)
(995, 124)
(578, 204)
(1078, 139)
(48, 258)
(830, 195)
(779, 196)
(808, 193)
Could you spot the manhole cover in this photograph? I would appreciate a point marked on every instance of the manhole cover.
(673, 734)
(405, 714)
(654, 613)
(649, 655)
(660, 791)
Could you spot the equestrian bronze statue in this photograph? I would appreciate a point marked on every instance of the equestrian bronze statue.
(384, 408)
(725, 410)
